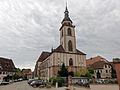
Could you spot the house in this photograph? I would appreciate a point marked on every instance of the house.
(49, 63)
(27, 73)
(102, 67)
(7, 67)
(92, 60)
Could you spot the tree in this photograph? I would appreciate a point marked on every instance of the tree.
(63, 71)
(59, 80)
(81, 73)
(19, 72)
(15, 76)
(89, 73)
(7, 78)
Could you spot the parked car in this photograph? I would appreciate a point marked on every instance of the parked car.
(3, 82)
(20, 79)
(99, 81)
(36, 83)
(83, 82)
(30, 81)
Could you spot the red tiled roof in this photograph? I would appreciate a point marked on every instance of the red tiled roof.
(79, 52)
(112, 64)
(7, 65)
(61, 50)
(99, 64)
(43, 56)
(95, 59)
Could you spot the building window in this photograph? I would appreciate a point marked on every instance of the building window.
(70, 62)
(69, 32)
(0, 72)
(106, 71)
(109, 66)
(105, 66)
(70, 48)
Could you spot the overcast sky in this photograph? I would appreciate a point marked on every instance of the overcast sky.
(28, 27)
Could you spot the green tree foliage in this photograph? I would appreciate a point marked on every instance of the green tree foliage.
(59, 80)
(18, 74)
(15, 76)
(83, 72)
(91, 71)
(63, 71)
(7, 78)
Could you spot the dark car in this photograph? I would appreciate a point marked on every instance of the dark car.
(83, 82)
(30, 81)
(36, 83)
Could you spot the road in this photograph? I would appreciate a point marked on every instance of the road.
(24, 86)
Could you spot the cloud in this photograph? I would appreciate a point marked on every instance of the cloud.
(28, 27)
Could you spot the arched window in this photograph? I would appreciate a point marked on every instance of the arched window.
(69, 32)
(70, 48)
(70, 62)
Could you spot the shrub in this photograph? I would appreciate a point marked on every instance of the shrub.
(59, 80)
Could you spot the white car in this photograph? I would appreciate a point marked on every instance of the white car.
(3, 82)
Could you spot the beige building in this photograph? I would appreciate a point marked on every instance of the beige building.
(49, 63)
(102, 67)
(27, 73)
(7, 67)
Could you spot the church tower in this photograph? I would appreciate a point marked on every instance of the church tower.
(67, 34)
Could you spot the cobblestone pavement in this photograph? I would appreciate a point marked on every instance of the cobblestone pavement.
(24, 86)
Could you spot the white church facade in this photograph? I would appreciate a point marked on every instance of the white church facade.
(49, 63)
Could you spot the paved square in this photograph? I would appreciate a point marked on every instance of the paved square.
(24, 86)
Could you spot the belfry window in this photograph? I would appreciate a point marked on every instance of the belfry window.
(70, 62)
(69, 32)
(70, 48)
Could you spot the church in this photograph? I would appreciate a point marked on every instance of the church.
(49, 63)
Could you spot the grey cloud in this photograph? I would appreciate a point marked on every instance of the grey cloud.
(27, 27)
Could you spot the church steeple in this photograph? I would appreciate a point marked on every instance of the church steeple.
(66, 12)
(66, 15)
(67, 33)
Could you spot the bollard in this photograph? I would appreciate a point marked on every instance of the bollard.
(56, 84)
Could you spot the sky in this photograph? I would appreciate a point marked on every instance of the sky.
(28, 27)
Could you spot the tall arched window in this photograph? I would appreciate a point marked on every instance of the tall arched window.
(70, 48)
(70, 62)
(69, 32)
